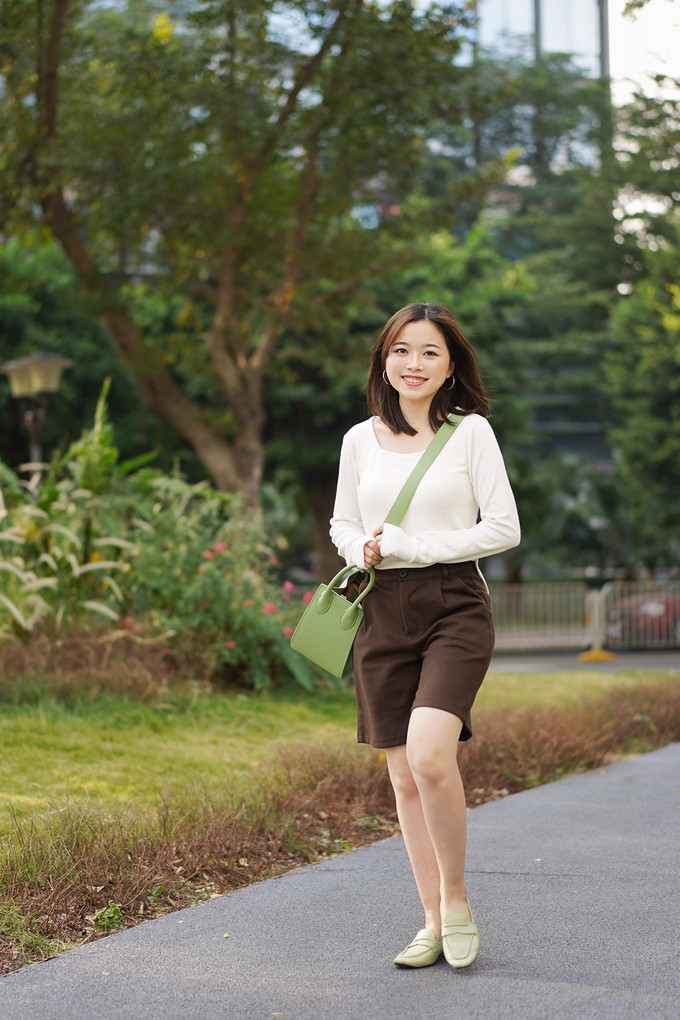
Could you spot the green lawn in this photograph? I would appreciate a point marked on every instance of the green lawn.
(114, 751)
(562, 689)
(117, 751)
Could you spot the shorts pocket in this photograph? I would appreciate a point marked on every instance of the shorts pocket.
(463, 588)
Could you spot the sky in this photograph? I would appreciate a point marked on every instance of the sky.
(648, 43)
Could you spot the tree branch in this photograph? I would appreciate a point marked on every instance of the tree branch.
(227, 349)
(157, 385)
(293, 266)
(303, 79)
(225, 364)
(292, 271)
(48, 70)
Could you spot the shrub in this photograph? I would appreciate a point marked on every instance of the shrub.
(203, 575)
(151, 558)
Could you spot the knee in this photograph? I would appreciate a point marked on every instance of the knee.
(429, 768)
(403, 784)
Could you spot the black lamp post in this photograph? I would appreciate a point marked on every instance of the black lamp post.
(34, 381)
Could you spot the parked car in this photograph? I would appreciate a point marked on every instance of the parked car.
(645, 620)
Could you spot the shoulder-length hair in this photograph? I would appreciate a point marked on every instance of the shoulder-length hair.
(467, 393)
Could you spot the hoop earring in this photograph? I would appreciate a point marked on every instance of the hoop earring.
(453, 383)
(385, 379)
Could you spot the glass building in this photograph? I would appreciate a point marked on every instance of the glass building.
(579, 27)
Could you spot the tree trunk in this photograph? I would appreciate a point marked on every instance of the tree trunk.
(249, 459)
(512, 571)
(321, 499)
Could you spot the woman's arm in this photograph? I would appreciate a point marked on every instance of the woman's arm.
(498, 528)
(347, 530)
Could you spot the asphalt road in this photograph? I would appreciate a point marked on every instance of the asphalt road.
(575, 887)
(542, 662)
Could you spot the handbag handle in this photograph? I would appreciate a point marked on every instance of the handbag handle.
(348, 618)
(434, 448)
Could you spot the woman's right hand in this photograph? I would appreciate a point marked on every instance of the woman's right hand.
(372, 555)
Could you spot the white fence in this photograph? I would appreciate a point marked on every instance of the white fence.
(565, 616)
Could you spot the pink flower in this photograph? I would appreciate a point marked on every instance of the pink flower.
(288, 586)
(167, 651)
(273, 560)
(231, 645)
(307, 597)
(269, 607)
(136, 629)
(128, 621)
(208, 555)
(287, 631)
(219, 547)
(248, 603)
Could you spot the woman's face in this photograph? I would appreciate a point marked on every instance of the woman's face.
(418, 362)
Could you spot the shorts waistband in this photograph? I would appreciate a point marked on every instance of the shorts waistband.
(435, 570)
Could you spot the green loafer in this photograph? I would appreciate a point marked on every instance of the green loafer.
(425, 950)
(460, 939)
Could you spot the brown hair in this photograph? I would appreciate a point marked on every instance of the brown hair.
(467, 393)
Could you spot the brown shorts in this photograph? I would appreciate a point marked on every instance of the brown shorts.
(425, 641)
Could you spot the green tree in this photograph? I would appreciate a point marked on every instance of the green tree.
(646, 170)
(550, 227)
(642, 377)
(217, 165)
(553, 215)
(553, 220)
(323, 375)
(42, 308)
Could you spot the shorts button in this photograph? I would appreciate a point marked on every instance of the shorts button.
(403, 573)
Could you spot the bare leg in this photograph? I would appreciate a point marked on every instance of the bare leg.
(431, 752)
(416, 836)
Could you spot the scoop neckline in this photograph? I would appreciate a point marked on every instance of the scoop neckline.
(397, 453)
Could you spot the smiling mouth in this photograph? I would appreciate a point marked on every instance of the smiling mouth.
(413, 380)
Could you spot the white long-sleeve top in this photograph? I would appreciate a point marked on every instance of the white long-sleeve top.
(462, 509)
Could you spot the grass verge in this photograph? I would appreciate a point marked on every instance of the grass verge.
(107, 741)
(78, 872)
(112, 751)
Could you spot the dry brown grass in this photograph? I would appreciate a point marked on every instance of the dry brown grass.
(115, 662)
(519, 748)
(57, 872)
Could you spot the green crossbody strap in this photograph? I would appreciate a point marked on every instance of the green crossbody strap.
(437, 444)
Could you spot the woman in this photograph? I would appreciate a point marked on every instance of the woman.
(426, 639)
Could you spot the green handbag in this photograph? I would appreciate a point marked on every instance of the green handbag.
(329, 624)
(326, 631)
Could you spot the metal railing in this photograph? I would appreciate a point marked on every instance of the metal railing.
(539, 616)
(641, 614)
(565, 616)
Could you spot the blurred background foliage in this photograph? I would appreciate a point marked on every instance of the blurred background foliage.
(223, 202)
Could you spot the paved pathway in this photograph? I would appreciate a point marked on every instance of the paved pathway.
(575, 886)
(547, 662)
